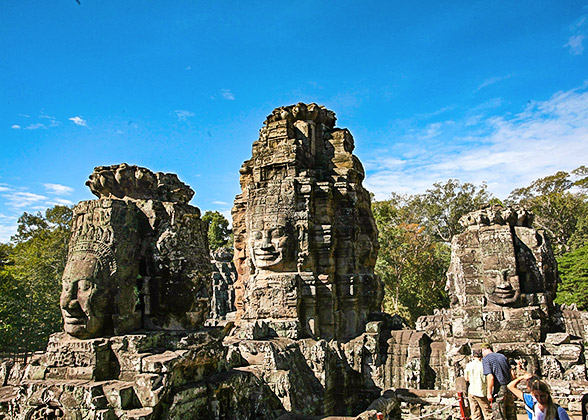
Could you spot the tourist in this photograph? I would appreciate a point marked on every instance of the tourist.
(497, 371)
(539, 401)
(531, 399)
(474, 376)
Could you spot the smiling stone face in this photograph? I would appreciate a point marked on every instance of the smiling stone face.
(502, 287)
(272, 245)
(85, 302)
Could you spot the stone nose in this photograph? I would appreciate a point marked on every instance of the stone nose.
(69, 297)
(265, 242)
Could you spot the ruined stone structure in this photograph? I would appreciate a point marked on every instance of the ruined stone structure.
(305, 238)
(136, 293)
(142, 342)
(502, 281)
(224, 277)
(141, 252)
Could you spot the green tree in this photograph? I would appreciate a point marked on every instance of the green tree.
(414, 232)
(440, 208)
(31, 282)
(219, 233)
(11, 298)
(411, 264)
(560, 205)
(573, 271)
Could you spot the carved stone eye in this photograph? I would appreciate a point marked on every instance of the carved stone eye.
(84, 285)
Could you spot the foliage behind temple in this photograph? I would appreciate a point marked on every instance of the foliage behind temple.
(30, 279)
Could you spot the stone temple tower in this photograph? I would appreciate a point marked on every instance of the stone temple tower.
(305, 237)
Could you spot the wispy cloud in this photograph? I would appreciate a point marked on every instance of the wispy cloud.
(14, 200)
(35, 126)
(52, 120)
(77, 120)
(6, 231)
(575, 44)
(183, 115)
(48, 122)
(492, 81)
(227, 94)
(220, 203)
(21, 199)
(504, 151)
(58, 189)
(59, 202)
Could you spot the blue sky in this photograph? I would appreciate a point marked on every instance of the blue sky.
(490, 91)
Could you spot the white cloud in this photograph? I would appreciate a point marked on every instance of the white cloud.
(78, 121)
(5, 187)
(21, 199)
(6, 231)
(58, 189)
(505, 151)
(183, 115)
(227, 94)
(220, 203)
(576, 44)
(52, 120)
(227, 214)
(492, 81)
(35, 126)
(58, 202)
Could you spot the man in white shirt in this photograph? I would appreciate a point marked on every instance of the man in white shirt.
(474, 375)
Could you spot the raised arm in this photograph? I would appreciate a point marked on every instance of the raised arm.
(512, 386)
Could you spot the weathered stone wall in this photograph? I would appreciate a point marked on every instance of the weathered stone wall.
(224, 276)
(141, 376)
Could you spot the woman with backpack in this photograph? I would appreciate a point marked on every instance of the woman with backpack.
(539, 401)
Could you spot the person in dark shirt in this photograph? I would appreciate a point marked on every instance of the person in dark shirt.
(497, 371)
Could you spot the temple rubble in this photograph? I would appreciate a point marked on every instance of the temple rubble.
(290, 325)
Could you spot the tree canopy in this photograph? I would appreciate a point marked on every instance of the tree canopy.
(219, 233)
(414, 231)
(560, 207)
(30, 279)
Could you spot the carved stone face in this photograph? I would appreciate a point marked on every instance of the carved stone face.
(272, 246)
(84, 296)
(502, 288)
